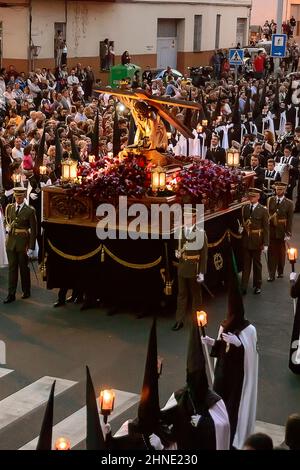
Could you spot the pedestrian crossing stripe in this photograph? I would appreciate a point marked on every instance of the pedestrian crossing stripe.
(74, 427)
(29, 398)
(4, 371)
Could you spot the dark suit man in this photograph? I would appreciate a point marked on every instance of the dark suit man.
(21, 223)
(192, 262)
(216, 153)
(281, 211)
(255, 238)
(260, 172)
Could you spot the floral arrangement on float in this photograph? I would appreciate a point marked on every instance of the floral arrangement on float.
(192, 180)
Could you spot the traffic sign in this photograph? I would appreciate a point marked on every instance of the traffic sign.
(278, 48)
(236, 57)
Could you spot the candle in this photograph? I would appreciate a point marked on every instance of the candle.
(43, 170)
(62, 443)
(106, 401)
(92, 158)
(204, 122)
(292, 256)
(110, 154)
(202, 321)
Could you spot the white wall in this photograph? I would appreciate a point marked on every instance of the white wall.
(133, 27)
(15, 22)
(44, 15)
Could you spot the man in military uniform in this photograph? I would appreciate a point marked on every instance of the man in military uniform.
(255, 238)
(22, 230)
(281, 211)
(192, 262)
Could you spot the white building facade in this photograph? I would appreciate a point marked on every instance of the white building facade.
(156, 33)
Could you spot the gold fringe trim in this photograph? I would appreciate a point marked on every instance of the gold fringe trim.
(73, 257)
(229, 233)
(132, 265)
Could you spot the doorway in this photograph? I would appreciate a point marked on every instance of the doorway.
(241, 30)
(166, 43)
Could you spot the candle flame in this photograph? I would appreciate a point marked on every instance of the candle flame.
(62, 444)
(202, 318)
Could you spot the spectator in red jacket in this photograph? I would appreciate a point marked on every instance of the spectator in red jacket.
(259, 65)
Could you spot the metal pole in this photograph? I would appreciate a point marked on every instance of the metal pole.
(278, 31)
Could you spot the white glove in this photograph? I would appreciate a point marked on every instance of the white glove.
(241, 229)
(293, 277)
(287, 238)
(155, 442)
(265, 250)
(106, 429)
(207, 340)
(195, 420)
(177, 254)
(33, 196)
(231, 339)
(30, 253)
(200, 278)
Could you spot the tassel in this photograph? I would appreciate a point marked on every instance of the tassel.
(102, 255)
(168, 288)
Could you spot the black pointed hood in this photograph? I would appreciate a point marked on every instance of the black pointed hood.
(288, 98)
(58, 154)
(74, 149)
(132, 131)
(94, 435)
(5, 165)
(236, 115)
(149, 410)
(235, 320)
(247, 108)
(95, 137)
(45, 437)
(116, 135)
(262, 101)
(195, 397)
(41, 150)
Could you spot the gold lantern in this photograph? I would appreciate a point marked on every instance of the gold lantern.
(158, 179)
(107, 403)
(69, 169)
(233, 157)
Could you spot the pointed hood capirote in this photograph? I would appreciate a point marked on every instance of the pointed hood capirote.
(235, 320)
(95, 137)
(149, 409)
(45, 437)
(94, 434)
(41, 150)
(196, 395)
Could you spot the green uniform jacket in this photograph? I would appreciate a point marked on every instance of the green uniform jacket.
(281, 218)
(256, 227)
(191, 268)
(25, 220)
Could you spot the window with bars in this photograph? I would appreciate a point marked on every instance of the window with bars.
(197, 32)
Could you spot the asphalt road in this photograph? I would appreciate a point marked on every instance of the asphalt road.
(44, 341)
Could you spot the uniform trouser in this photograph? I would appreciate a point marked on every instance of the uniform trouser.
(249, 257)
(189, 293)
(276, 257)
(18, 260)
